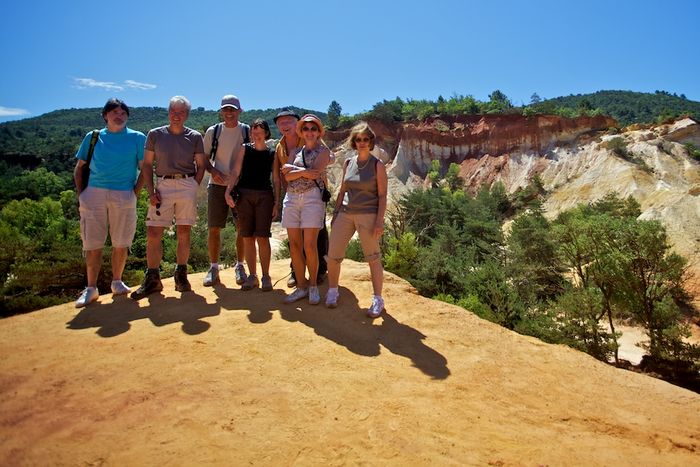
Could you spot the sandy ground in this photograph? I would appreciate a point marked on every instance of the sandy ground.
(225, 377)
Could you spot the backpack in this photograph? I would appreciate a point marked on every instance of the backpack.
(215, 140)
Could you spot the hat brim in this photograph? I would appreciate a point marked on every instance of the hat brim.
(229, 105)
(286, 115)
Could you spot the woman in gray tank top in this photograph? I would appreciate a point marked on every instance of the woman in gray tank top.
(360, 208)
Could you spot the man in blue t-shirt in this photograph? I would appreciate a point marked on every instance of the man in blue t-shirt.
(108, 202)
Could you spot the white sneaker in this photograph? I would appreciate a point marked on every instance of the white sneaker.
(88, 296)
(376, 307)
(314, 295)
(332, 298)
(120, 288)
(298, 294)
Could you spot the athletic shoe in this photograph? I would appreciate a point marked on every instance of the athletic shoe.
(250, 283)
(151, 283)
(120, 288)
(377, 307)
(266, 284)
(88, 296)
(240, 273)
(292, 281)
(212, 277)
(297, 295)
(332, 298)
(181, 282)
(314, 296)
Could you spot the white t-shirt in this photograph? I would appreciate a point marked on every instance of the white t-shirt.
(230, 141)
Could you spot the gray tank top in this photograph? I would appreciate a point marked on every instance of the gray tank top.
(360, 183)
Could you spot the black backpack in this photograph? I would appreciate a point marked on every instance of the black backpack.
(215, 141)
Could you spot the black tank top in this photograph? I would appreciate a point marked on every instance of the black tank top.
(257, 168)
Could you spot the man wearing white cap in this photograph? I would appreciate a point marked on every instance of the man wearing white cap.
(221, 142)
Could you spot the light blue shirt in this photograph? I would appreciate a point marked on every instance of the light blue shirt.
(114, 164)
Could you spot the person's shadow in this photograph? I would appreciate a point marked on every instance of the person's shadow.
(349, 326)
(259, 304)
(110, 319)
(188, 309)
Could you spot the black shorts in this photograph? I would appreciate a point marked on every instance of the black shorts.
(217, 209)
(255, 213)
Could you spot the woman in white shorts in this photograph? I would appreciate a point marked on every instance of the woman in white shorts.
(303, 212)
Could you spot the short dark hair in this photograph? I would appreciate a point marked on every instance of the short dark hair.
(112, 104)
(259, 122)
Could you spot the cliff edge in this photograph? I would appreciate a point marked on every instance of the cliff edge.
(221, 376)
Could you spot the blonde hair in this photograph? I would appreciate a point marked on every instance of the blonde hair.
(358, 129)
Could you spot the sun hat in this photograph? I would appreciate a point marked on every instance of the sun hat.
(313, 119)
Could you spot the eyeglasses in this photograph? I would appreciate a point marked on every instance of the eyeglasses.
(157, 209)
(363, 140)
(309, 128)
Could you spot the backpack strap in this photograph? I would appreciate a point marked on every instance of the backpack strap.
(93, 142)
(215, 142)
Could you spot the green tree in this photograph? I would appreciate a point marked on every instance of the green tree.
(334, 111)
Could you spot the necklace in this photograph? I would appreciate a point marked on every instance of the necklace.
(361, 167)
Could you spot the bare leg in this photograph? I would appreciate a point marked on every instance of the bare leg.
(265, 253)
(93, 262)
(296, 250)
(311, 251)
(240, 245)
(377, 272)
(118, 262)
(250, 254)
(183, 243)
(154, 248)
(214, 244)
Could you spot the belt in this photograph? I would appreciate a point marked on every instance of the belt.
(176, 176)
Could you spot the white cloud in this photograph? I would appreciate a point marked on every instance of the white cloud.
(137, 85)
(83, 83)
(10, 112)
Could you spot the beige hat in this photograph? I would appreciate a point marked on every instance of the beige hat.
(310, 118)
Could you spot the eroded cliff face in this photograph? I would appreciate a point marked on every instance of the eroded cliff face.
(570, 157)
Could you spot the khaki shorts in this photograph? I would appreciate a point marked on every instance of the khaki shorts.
(344, 227)
(178, 200)
(303, 210)
(103, 210)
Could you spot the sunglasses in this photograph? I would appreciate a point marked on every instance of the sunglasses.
(157, 209)
(309, 128)
(363, 140)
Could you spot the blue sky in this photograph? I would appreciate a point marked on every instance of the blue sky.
(276, 53)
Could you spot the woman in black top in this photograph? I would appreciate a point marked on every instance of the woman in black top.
(257, 202)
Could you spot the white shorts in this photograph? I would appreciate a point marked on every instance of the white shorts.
(303, 210)
(178, 200)
(103, 210)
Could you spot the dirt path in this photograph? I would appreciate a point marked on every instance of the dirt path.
(227, 377)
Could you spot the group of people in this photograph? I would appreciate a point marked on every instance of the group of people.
(247, 178)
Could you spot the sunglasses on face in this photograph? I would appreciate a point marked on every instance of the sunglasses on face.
(362, 140)
(309, 128)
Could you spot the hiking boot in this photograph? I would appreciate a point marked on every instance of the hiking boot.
(181, 282)
(151, 283)
(88, 296)
(266, 284)
(332, 298)
(212, 277)
(292, 281)
(314, 295)
(376, 307)
(297, 295)
(240, 273)
(120, 288)
(250, 283)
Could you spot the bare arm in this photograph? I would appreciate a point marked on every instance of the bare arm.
(382, 188)
(147, 176)
(78, 176)
(201, 162)
(341, 193)
(233, 176)
(139, 181)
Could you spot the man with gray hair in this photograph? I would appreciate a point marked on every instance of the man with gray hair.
(178, 155)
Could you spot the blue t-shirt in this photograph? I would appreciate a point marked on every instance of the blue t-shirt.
(114, 164)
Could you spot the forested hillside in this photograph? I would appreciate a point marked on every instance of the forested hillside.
(628, 107)
(61, 131)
